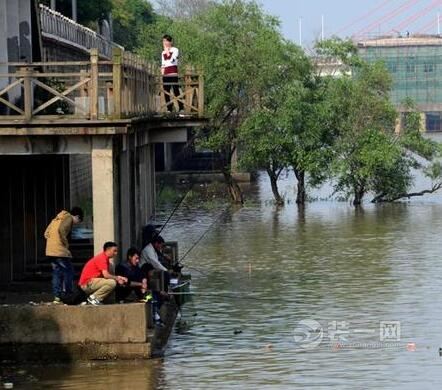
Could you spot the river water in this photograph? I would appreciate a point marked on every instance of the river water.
(324, 297)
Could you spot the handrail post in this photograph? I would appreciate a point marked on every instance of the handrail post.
(117, 79)
(26, 73)
(93, 98)
(188, 93)
(200, 93)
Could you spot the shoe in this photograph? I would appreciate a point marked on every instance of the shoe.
(83, 303)
(57, 301)
(93, 301)
(148, 298)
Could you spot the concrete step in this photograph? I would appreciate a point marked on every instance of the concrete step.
(82, 251)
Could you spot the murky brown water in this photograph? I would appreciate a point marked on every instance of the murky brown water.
(262, 271)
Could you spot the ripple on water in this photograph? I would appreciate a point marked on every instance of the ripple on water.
(263, 270)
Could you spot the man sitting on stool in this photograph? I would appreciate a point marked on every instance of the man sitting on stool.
(137, 279)
(96, 280)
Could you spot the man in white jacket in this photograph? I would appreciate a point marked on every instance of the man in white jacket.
(149, 260)
(149, 254)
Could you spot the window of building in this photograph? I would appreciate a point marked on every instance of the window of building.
(411, 68)
(429, 68)
(433, 121)
(411, 65)
(392, 67)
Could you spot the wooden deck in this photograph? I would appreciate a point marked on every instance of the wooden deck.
(69, 92)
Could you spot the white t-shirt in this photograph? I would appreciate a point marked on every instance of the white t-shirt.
(169, 61)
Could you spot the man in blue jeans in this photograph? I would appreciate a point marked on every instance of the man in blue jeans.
(57, 250)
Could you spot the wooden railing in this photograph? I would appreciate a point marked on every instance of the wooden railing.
(125, 87)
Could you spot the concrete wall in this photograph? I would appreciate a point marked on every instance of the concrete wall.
(73, 333)
(55, 52)
(34, 189)
(137, 191)
(114, 175)
(43, 324)
(15, 38)
(81, 181)
(16, 30)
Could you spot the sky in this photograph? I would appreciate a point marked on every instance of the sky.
(347, 17)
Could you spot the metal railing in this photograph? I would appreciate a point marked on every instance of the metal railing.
(125, 87)
(56, 26)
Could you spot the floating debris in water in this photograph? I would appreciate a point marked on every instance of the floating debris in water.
(237, 331)
(411, 347)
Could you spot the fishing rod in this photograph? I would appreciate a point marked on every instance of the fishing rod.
(177, 206)
(198, 270)
(203, 235)
(163, 183)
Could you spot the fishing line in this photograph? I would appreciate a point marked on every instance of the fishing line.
(197, 270)
(176, 208)
(203, 235)
(233, 295)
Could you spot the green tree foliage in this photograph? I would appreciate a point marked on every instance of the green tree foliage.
(129, 18)
(182, 9)
(369, 156)
(267, 141)
(237, 45)
(286, 130)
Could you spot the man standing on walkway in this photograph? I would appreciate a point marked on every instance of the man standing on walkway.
(57, 250)
(169, 70)
(96, 280)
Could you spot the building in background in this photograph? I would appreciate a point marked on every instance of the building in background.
(415, 64)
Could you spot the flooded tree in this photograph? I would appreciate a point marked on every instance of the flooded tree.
(286, 131)
(236, 44)
(371, 155)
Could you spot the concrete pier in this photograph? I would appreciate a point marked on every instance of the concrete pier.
(75, 333)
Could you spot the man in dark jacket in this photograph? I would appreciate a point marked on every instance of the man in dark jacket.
(136, 278)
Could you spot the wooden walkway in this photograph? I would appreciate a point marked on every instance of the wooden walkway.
(125, 87)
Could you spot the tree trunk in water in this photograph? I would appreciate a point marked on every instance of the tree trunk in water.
(359, 195)
(274, 183)
(301, 195)
(234, 191)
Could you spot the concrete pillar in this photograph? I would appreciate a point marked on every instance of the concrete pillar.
(3, 46)
(103, 191)
(74, 10)
(423, 122)
(147, 185)
(398, 124)
(168, 157)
